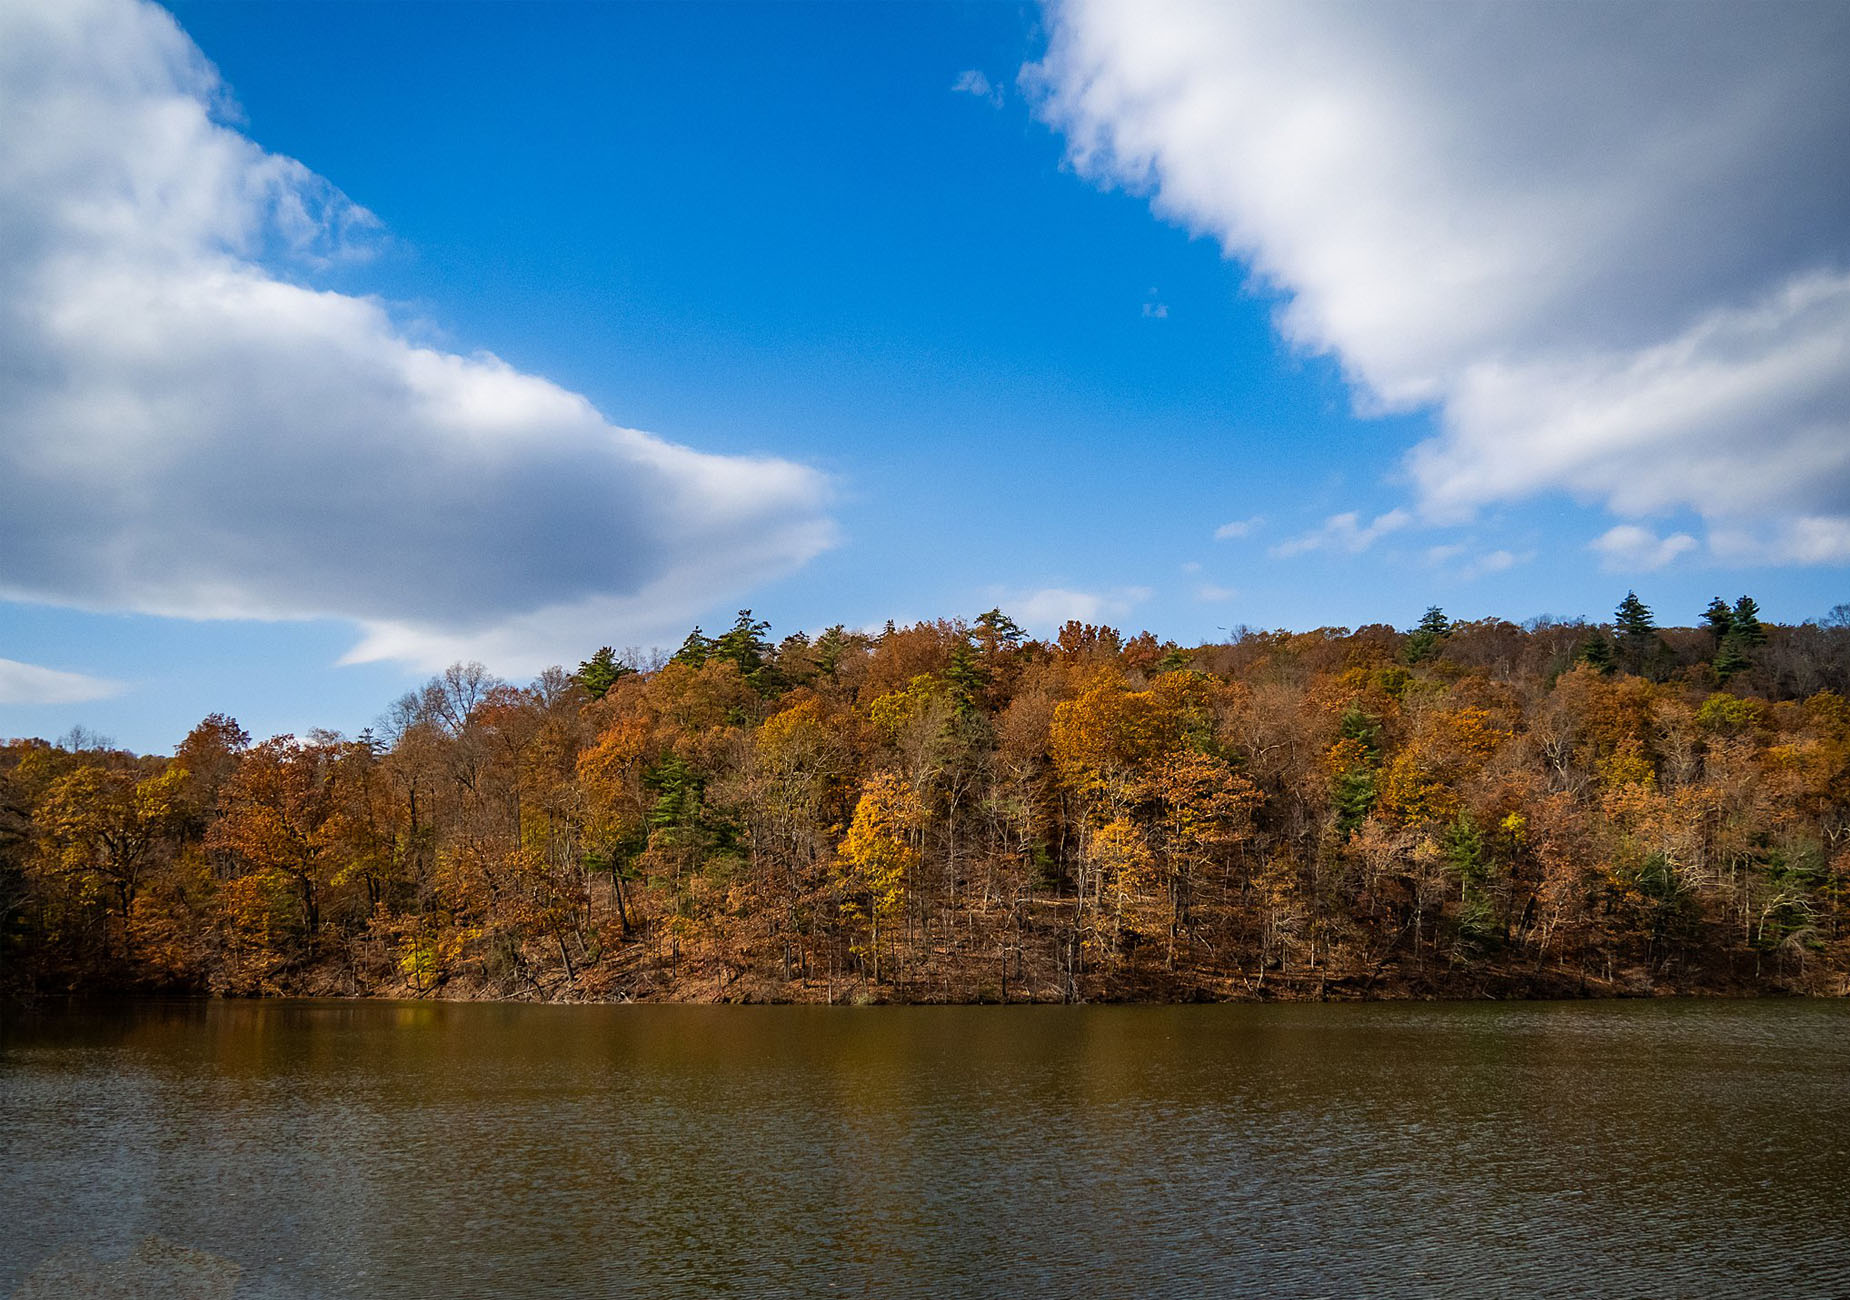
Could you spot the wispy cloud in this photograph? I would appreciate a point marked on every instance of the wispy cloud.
(1629, 548)
(1213, 593)
(1345, 533)
(1498, 561)
(30, 684)
(1809, 539)
(1044, 610)
(1238, 528)
(971, 81)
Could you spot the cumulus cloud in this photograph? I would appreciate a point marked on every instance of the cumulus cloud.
(1628, 548)
(1609, 244)
(189, 428)
(1045, 610)
(31, 684)
(1344, 533)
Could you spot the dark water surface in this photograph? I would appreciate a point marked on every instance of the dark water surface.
(310, 1149)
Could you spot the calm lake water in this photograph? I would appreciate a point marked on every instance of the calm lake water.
(311, 1149)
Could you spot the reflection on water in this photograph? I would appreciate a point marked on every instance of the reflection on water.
(153, 1268)
(377, 1149)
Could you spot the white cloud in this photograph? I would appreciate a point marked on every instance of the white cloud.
(30, 684)
(1745, 415)
(971, 81)
(1045, 610)
(186, 430)
(1156, 311)
(1807, 539)
(1212, 592)
(1628, 548)
(1345, 533)
(1238, 528)
(1498, 561)
(1611, 243)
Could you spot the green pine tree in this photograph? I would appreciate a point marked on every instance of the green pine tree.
(1731, 658)
(1423, 641)
(1746, 619)
(600, 672)
(1358, 785)
(746, 648)
(1636, 633)
(1719, 620)
(1174, 659)
(997, 631)
(1596, 652)
(1466, 857)
(966, 676)
(834, 643)
(694, 651)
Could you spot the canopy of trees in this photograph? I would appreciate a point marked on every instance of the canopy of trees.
(953, 811)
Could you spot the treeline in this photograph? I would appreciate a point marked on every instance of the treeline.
(954, 811)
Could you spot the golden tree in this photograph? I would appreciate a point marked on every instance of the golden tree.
(877, 856)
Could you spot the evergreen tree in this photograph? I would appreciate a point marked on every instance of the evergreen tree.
(1357, 786)
(1636, 632)
(835, 642)
(1633, 619)
(1465, 856)
(1731, 658)
(966, 676)
(745, 647)
(1174, 659)
(1746, 619)
(1423, 641)
(1596, 652)
(694, 651)
(1464, 851)
(600, 672)
(677, 788)
(1735, 653)
(1719, 620)
(997, 631)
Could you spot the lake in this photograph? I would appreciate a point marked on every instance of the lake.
(335, 1149)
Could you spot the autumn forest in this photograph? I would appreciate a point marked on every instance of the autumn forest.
(961, 812)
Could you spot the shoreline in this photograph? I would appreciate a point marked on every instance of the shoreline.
(1284, 996)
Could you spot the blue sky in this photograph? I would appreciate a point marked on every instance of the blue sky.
(1027, 342)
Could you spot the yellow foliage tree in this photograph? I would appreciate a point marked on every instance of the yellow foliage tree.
(877, 856)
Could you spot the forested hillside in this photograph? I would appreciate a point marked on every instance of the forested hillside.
(959, 812)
